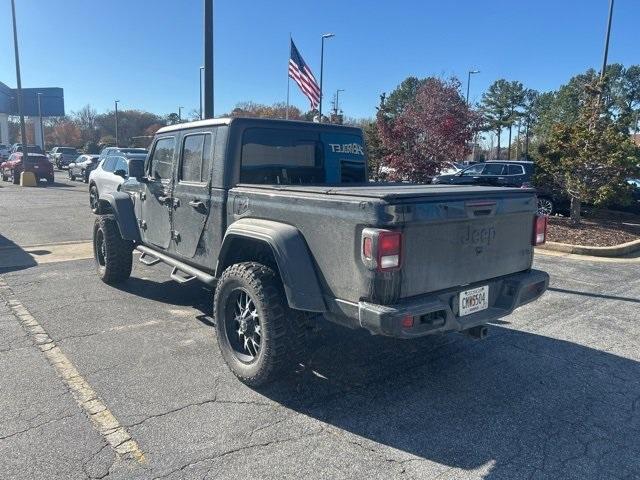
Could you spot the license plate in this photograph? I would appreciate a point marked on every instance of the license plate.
(472, 301)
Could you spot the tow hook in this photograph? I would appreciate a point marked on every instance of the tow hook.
(478, 333)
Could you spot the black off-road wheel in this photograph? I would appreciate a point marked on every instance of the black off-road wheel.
(94, 200)
(259, 336)
(72, 177)
(15, 179)
(4, 177)
(112, 253)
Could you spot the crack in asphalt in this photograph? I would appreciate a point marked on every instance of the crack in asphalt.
(238, 450)
(39, 425)
(200, 404)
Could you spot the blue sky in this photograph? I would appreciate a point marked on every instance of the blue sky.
(147, 54)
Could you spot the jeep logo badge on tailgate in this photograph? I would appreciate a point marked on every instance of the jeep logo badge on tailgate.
(478, 236)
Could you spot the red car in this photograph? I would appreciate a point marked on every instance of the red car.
(37, 163)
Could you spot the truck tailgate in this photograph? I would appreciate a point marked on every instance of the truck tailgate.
(453, 243)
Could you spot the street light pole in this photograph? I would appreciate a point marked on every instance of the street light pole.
(23, 130)
(338, 99)
(180, 114)
(469, 73)
(116, 104)
(201, 69)
(40, 118)
(326, 35)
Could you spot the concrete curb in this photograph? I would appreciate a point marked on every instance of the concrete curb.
(615, 251)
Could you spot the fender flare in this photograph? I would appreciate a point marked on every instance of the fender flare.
(122, 207)
(292, 256)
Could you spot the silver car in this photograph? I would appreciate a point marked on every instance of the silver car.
(108, 176)
(63, 156)
(82, 167)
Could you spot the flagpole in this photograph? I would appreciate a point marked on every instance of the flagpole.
(286, 115)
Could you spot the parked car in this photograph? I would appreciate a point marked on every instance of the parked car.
(82, 167)
(108, 176)
(17, 147)
(126, 150)
(510, 173)
(63, 156)
(276, 216)
(36, 163)
(450, 168)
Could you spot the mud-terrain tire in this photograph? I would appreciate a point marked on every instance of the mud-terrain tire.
(112, 253)
(282, 337)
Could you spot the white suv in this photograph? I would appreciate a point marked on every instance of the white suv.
(107, 177)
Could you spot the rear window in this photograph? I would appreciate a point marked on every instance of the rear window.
(68, 151)
(133, 150)
(281, 156)
(515, 170)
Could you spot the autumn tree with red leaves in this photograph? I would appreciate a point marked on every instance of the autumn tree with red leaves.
(434, 127)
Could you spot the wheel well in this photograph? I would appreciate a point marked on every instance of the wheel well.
(247, 250)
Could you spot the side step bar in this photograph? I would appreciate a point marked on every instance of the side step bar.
(178, 266)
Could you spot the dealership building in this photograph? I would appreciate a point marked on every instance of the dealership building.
(36, 102)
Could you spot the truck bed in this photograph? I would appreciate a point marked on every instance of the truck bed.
(452, 235)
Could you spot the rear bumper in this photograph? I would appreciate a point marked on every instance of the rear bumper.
(438, 312)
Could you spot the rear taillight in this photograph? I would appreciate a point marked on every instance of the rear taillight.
(539, 229)
(381, 249)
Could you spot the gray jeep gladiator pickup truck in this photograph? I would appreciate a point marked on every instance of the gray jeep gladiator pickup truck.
(278, 218)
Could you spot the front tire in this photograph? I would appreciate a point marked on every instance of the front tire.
(112, 253)
(94, 200)
(15, 179)
(72, 177)
(259, 336)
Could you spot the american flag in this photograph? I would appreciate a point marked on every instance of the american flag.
(302, 75)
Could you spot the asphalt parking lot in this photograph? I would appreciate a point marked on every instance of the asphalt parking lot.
(553, 392)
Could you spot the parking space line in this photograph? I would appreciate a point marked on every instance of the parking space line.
(99, 415)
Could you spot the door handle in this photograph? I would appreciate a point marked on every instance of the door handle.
(196, 204)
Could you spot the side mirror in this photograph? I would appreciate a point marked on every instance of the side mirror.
(120, 172)
(136, 169)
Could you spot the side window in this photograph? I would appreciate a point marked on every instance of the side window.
(473, 170)
(493, 169)
(162, 159)
(515, 170)
(196, 158)
(109, 164)
(121, 164)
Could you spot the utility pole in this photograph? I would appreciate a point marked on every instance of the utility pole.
(606, 42)
(23, 130)
(326, 35)
(208, 59)
(116, 104)
(40, 119)
(180, 114)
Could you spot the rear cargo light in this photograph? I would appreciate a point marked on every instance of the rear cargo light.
(539, 230)
(381, 249)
